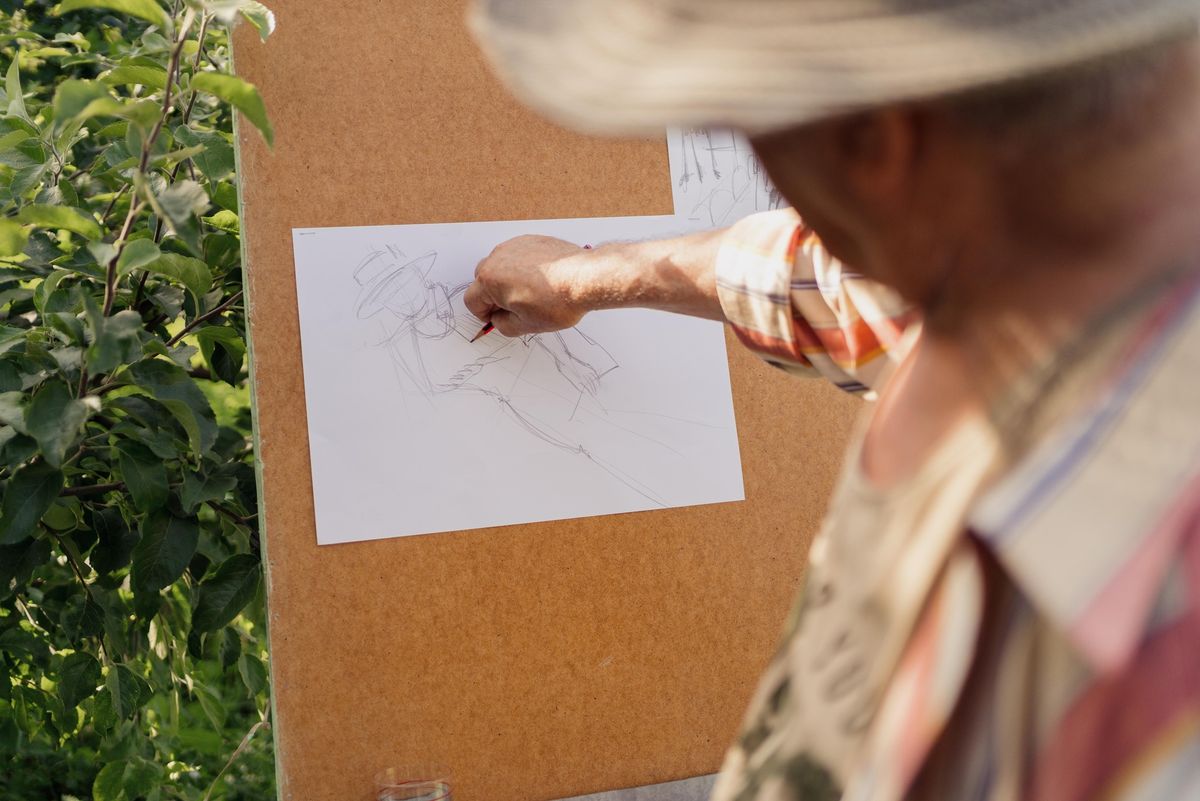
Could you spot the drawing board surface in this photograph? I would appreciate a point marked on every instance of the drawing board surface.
(414, 428)
(541, 660)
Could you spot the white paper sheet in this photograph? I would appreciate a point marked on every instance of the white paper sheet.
(414, 430)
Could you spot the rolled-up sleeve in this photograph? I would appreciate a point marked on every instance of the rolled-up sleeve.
(802, 310)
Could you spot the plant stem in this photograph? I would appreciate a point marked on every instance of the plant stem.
(110, 283)
(110, 276)
(112, 204)
(69, 551)
(266, 721)
(232, 515)
(204, 318)
(91, 489)
(187, 112)
(141, 287)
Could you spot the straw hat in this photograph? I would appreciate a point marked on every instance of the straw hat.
(633, 66)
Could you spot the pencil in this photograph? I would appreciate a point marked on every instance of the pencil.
(487, 328)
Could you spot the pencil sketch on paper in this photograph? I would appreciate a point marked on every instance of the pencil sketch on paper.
(719, 179)
(542, 383)
(413, 429)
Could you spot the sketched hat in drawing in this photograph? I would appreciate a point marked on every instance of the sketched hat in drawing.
(635, 66)
(392, 282)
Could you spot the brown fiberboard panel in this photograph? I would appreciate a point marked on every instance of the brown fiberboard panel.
(537, 661)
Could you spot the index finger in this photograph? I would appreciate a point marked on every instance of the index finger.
(478, 302)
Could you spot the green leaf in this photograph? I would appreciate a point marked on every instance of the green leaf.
(76, 101)
(11, 380)
(255, 13)
(76, 40)
(55, 419)
(227, 592)
(102, 252)
(230, 648)
(18, 561)
(61, 517)
(182, 201)
(260, 17)
(12, 85)
(142, 113)
(109, 784)
(241, 94)
(103, 716)
(17, 450)
(145, 9)
(192, 273)
(224, 220)
(71, 219)
(82, 617)
(217, 160)
(17, 640)
(46, 289)
(13, 237)
(174, 389)
(129, 691)
(151, 77)
(204, 740)
(78, 678)
(198, 489)
(225, 195)
(253, 673)
(136, 254)
(210, 703)
(167, 545)
(12, 410)
(13, 138)
(144, 474)
(116, 341)
(141, 777)
(116, 541)
(26, 498)
(223, 350)
(47, 52)
(177, 156)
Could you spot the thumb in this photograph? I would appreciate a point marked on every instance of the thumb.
(508, 323)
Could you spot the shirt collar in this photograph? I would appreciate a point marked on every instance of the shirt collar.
(1089, 523)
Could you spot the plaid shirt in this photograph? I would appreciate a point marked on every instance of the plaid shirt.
(1056, 653)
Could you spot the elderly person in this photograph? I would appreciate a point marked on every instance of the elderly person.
(996, 228)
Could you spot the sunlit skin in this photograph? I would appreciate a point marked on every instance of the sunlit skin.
(913, 197)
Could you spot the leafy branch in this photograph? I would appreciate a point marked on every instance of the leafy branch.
(110, 281)
(132, 627)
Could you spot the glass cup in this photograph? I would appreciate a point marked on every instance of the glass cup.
(413, 783)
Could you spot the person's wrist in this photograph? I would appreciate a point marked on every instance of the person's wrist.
(579, 280)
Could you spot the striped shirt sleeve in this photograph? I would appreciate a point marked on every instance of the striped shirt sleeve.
(801, 309)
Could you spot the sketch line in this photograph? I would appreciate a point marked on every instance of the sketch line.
(416, 313)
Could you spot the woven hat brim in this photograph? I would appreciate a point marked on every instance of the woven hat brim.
(635, 66)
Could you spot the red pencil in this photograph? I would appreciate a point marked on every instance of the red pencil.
(487, 328)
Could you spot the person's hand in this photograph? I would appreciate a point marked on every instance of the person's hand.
(537, 284)
(524, 286)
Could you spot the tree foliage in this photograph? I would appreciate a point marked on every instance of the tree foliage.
(131, 609)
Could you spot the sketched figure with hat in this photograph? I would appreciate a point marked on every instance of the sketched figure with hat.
(428, 331)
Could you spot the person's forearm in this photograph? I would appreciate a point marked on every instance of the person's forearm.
(675, 275)
(534, 284)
